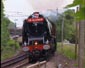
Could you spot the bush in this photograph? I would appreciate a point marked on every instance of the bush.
(9, 50)
(13, 44)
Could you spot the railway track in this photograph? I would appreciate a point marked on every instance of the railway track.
(13, 61)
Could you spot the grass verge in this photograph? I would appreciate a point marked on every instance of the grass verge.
(68, 50)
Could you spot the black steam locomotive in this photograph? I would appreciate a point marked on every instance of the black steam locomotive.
(38, 36)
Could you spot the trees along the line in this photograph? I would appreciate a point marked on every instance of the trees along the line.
(80, 16)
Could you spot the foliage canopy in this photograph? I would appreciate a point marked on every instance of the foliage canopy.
(80, 15)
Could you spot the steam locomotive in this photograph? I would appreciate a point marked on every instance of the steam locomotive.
(38, 36)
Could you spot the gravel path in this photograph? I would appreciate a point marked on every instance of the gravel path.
(61, 60)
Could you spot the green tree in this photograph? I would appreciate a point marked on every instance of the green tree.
(69, 26)
(69, 29)
(8, 46)
(4, 27)
(80, 14)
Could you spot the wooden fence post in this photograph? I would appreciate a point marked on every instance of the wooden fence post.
(81, 47)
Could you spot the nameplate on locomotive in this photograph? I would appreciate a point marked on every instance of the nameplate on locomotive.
(35, 20)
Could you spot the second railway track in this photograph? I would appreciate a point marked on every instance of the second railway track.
(13, 61)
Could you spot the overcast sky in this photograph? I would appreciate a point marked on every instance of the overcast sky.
(16, 10)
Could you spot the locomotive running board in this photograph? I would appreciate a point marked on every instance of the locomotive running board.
(37, 64)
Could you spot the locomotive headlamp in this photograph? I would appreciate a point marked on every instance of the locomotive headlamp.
(46, 47)
(25, 48)
(36, 43)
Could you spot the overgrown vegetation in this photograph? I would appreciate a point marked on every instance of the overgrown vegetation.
(68, 50)
(8, 46)
(9, 50)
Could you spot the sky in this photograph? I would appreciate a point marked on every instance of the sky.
(18, 10)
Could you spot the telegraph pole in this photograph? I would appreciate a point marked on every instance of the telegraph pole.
(76, 35)
(62, 34)
(15, 26)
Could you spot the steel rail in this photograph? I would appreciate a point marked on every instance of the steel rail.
(13, 60)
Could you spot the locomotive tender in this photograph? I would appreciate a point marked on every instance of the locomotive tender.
(38, 36)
